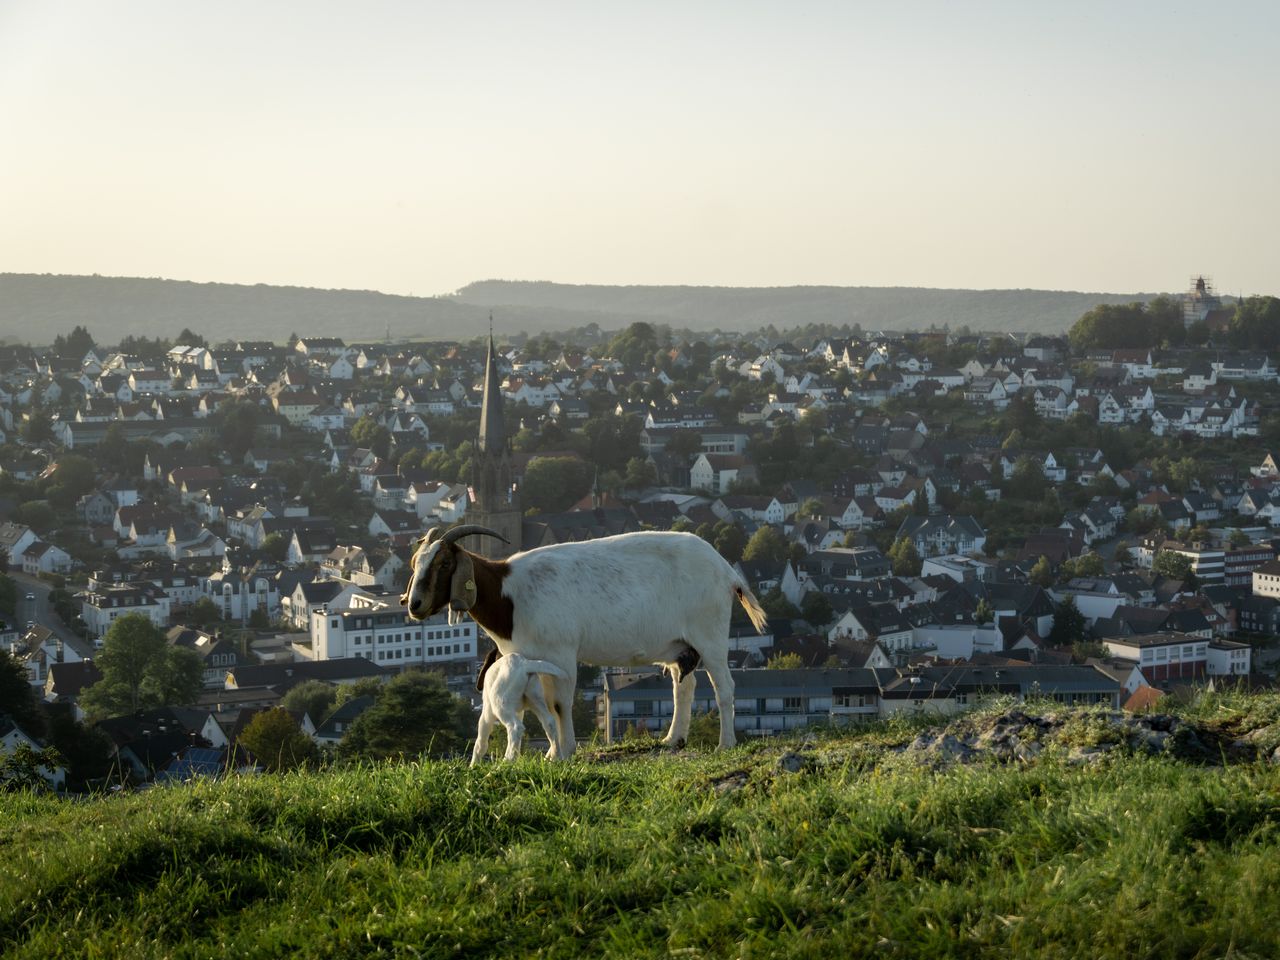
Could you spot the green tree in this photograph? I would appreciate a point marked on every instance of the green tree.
(730, 540)
(74, 345)
(203, 614)
(811, 508)
(237, 424)
(275, 546)
(1175, 566)
(767, 545)
(415, 714)
(816, 608)
(368, 433)
(141, 670)
(983, 613)
(38, 515)
(1041, 572)
(777, 607)
(18, 696)
(683, 443)
(640, 473)
(276, 742)
(905, 558)
(554, 484)
(38, 427)
(315, 698)
(785, 661)
(1068, 623)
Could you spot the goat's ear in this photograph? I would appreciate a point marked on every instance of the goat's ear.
(462, 589)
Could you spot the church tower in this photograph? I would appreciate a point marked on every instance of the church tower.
(494, 501)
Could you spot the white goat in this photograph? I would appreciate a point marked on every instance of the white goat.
(511, 686)
(633, 599)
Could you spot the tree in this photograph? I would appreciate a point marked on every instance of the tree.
(811, 508)
(141, 670)
(785, 661)
(905, 558)
(1175, 566)
(315, 698)
(1068, 623)
(983, 613)
(767, 545)
(368, 433)
(74, 345)
(816, 608)
(730, 540)
(275, 546)
(1041, 572)
(640, 473)
(203, 614)
(38, 427)
(18, 696)
(75, 475)
(238, 427)
(683, 443)
(554, 484)
(275, 741)
(415, 714)
(38, 515)
(189, 338)
(777, 606)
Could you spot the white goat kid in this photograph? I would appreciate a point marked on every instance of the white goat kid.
(634, 599)
(512, 685)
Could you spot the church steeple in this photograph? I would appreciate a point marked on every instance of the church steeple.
(493, 426)
(495, 503)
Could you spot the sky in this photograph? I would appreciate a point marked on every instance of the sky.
(414, 147)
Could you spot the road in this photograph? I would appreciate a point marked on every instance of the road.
(38, 609)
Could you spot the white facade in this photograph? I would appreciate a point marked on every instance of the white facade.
(383, 633)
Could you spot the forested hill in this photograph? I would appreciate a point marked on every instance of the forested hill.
(750, 308)
(34, 308)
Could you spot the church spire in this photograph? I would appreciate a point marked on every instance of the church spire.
(493, 427)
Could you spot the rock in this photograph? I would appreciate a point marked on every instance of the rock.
(1028, 751)
(791, 762)
(1154, 741)
(1275, 756)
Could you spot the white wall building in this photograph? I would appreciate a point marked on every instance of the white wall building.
(381, 631)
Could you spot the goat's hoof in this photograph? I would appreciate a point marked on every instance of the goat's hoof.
(678, 744)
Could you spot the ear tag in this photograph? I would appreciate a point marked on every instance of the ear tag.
(471, 585)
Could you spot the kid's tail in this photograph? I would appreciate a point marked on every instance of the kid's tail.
(752, 606)
(546, 666)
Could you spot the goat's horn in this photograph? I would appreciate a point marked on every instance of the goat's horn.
(432, 535)
(470, 529)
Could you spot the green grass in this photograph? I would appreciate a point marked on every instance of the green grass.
(631, 853)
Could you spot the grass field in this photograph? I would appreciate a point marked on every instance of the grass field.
(631, 853)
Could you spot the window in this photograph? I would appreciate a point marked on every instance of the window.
(792, 705)
(417, 651)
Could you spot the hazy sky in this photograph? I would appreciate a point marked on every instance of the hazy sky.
(414, 147)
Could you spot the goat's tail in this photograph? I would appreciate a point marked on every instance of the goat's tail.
(752, 606)
(545, 666)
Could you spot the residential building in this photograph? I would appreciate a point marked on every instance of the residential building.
(381, 631)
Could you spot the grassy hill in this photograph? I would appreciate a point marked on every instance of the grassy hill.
(836, 845)
(42, 306)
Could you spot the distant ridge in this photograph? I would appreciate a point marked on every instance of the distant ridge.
(35, 308)
(748, 308)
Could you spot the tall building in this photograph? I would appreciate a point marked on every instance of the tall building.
(495, 503)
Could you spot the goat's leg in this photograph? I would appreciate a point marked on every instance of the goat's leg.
(535, 700)
(722, 683)
(682, 695)
(559, 691)
(515, 735)
(483, 731)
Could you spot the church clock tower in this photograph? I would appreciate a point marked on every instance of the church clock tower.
(494, 501)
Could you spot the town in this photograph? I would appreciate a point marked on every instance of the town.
(206, 542)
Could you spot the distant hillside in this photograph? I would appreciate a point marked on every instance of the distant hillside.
(35, 308)
(743, 308)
